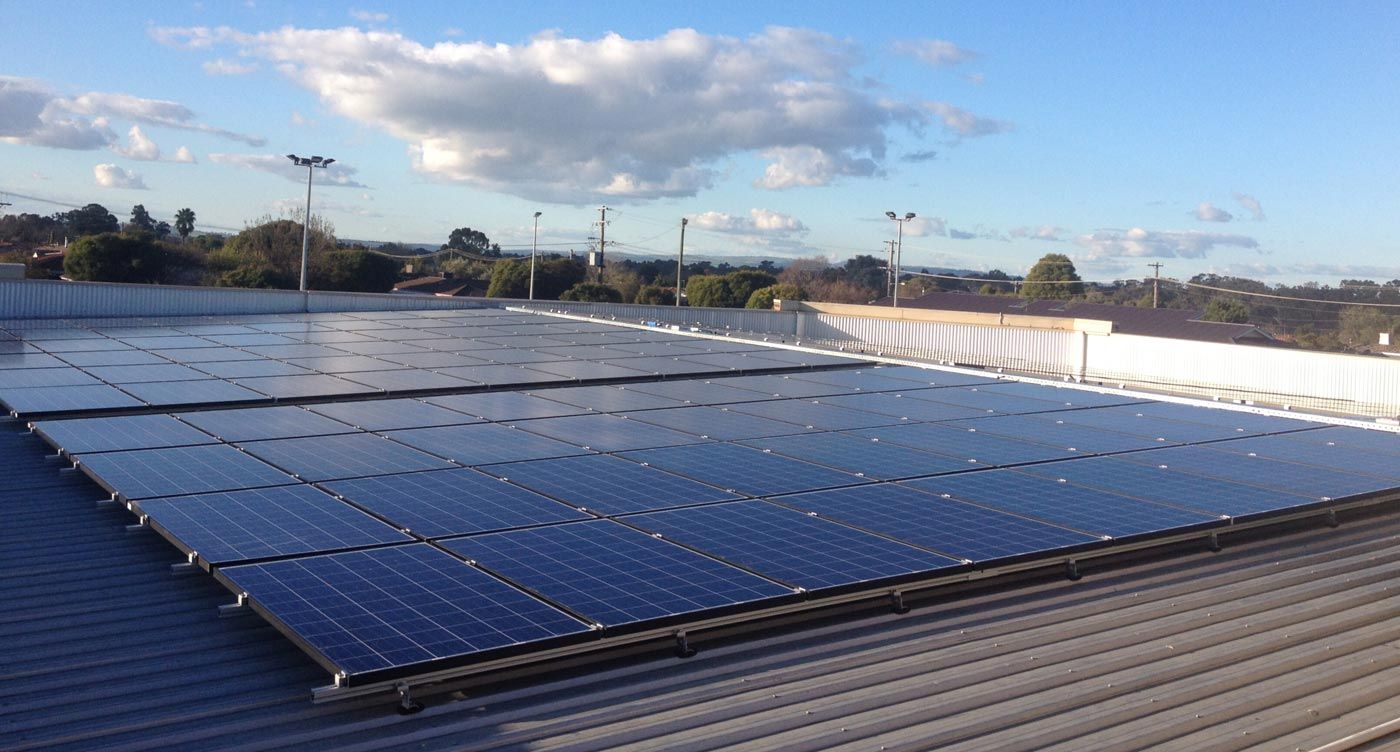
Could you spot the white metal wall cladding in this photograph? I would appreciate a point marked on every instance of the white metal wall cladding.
(736, 319)
(994, 346)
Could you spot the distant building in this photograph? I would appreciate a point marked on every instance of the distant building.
(446, 286)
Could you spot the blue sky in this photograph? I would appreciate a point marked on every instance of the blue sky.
(1257, 139)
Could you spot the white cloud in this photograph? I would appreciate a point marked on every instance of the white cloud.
(184, 155)
(759, 221)
(299, 119)
(919, 227)
(138, 146)
(936, 52)
(1052, 233)
(223, 67)
(1252, 205)
(338, 175)
(1208, 213)
(152, 112)
(1138, 242)
(365, 16)
(965, 123)
(578, 120)
(112, 176)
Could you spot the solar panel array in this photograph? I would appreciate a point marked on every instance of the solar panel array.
(390, 536)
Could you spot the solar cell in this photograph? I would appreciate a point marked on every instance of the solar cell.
(21, 378)
(398, 607)
(113, 358)
(451, 502)
(254, 423)
(898, 405)
(1137, 424)
(612, 574)
(861, 456)
(501, 375)
(264, 523)
(1331, 456)
(607, 399)
(169, 343)
(134, 374)
(504, 405)
(815, 414)
(785, 386)
(45, 400)
(30, 360)
(208, 391)
(608, 485)
(606, 433)
(1248, 422)
(1065, 395)
(205, 354)
(743, 469)
(386, 415)
(310, 385)
(1057, 432)
(1084, 509)
(964, 531)
(716, 423)
(484, 443)
(1383, 442)
(697, 391)
(147, 473)
(1292, 477)
(789, 546)
(344, 364)
(408, 380)
(584, 370)
(243, 369)
(358, 455)
(84, 435)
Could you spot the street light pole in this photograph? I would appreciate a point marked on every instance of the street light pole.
(899, 249)
(534, 248)
(308, 163)
(680, 262)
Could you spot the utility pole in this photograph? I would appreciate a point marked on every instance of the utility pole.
(680, 262)
(889, 268)
(899, 250)
(1156, 281)
(602, 237)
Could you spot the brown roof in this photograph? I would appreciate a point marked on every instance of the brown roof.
(443, 286)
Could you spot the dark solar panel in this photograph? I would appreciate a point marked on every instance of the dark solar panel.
(815, 414)
(664, 366)
(408, 380)
(1331, 456)
(387, 415)
(83, 435)
(207, 391)
(297, 350)
(204, 330)
(205, 354)
(451, 502)
(262, 523)
(1215, 416)
(743, 469)
(47, 400)
(386, 608)
(311, 385)
(970, 446)
(1292, 477)
(785, 386)
(1137, 424)
(513, 356)
(484, 443)
(1057, 432)
(789, 546)
(252, 340)
(243, 369)
(1065, 395)
(345, 364)
(607, 399)
(31, 360)
(608, 485)
(255, 423)
(986, 398)
(1361, 439)
(898, 405)
(147, 473)
(377, 347)
(933, 376)
(584, 370)
(872, 459)
(505, 405)
(170, 343)
(612, 574)
(23, 378)
(864, 380)
(319, 458)
(112, 358)
(133, 374)
(741, 362)
(717, 423)
(432, 360)
(1084, 509)
(607, 433)
(698, 392)
(501, 375)
(950, 527)
(811, 359)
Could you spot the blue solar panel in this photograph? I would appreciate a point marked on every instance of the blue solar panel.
(23, 378)
(1057, 432)
(1238, 420)
(815, 414)
(514, 356)
(697, 391)
(864, 380)
(665, 366)
(357, 455)
(1361, 439)
(716, 423)
(169, 343)
(970, 446)
(45, 400)
(505, 405)
(584, 370)
(1170, 487)
(986, 398)
(451, 502)
(485, 443)
(785, 386)
(789, 358)
(789, 546)
(243, 369)
(208, 391)
(408, 380)
(205, 354)
(1331, 456)
(147, 473)
(33, 360)
(432, 360)
(873, 459)
(950, 527)
(743, 469)
(1077, 507)
(1137, 424)
(135, 374)
(608, 485)
(251, 340)
(607, 433)
(744, 362)
(310, 385)
(607, 399)
(1292, 477)
(934, 376)
(1065, 395)
(344, 364)
(83, 435)
(614, 575)
(898, 405)
(255, 423)
(502, 375)
(376, 347)
(387, 415)
(112, 358)
(397, 607)
(264, 523)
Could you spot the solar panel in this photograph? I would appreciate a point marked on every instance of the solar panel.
(1248, 422)
(897, 405)
(264, 523)
(207, 391)
(1065, 395)
(330, 338)
(815, 414)
(970, 446)
(784, 386)
(608, 485)
(607, 433)
(484, 443)
(1382, 442)
(142, 373)
(607, 399)
(205, 354)
(451, 502)
(243, 369)
(260, 339)
(319, 458)
(297, 350)
(501, 375)
(956, 529)
(612, 574)
(1292, 477)
(255, 423)
(933, 376)
(386, 415)
(82, 345)
(1057, 432)
(147, 473)
(986, 398)
(864, 380)
(1137, 424)
(697, 391)
(45, 400)
(204, 330)
(397, 608)
(869, 458)
(1331, 456)
(344, 364)
(377, 347)
(84, 435)
(743, 362)
(664, 366)
(432, 360)
(30, 360)
(1084, 509)
(789, 546)
(169, 343)
(716, 423)
(1167, 486)
(408, 380)
(584, 370)
(504, 405)
(513, 356)
(112, 358)
(310, 385)
(743, 469)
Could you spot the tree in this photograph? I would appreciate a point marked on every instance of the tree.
(355, 271)
(624, 280)
(743, 283)
(1227, 311)
(471, 241)
(141, 219)
(708, 291)
(592, 292)
(110, 257)
(162, 230)
(184, 223)
(1358, 327)
(93, 219)
(655, 295)
(511, 279)
(29, 229)
(1052, 278)
(764, 296)
(256, 276)
(274, 243)
(867, 271)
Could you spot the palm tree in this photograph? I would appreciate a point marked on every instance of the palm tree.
(184, 223)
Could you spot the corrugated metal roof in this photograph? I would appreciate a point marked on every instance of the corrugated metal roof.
(1281, 642)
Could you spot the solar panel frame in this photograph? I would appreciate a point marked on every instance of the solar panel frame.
(860, 456)
(484, 444)
(504, 406)
(178, 471)
(815, 414)
(37, 401)
(93, 435)
(182, 393)
(717, 423)
(263, 423)
(608, 485)
(391, 414)
(743, 469)
(341, 456)
(602, 432)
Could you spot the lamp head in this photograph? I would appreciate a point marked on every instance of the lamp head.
(891, 215)
(327, 162)
(910, 215)
(537, 214)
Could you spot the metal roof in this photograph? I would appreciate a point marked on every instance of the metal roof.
(1279, 642)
